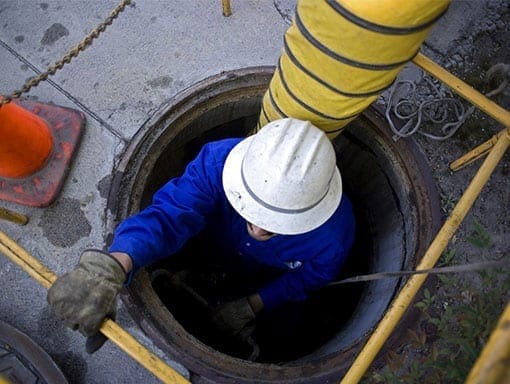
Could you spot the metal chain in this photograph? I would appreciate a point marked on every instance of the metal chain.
(73, 52)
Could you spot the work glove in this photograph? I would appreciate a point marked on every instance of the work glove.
(233, 317)
(83, 297)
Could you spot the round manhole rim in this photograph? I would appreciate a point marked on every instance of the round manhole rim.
(222, 366)
(38, 358)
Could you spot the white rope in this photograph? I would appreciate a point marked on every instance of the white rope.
(439, 107)
(427, 103)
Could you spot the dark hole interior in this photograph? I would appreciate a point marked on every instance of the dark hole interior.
(294, 331)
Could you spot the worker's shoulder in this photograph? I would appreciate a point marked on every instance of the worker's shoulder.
(342, 219)
(219, 149)
(223, 146)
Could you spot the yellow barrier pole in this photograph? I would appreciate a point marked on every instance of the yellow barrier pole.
(29, 264)
(109, 328)
(226, 8)
(408, 292)
(492, 366)
(463, 89)
(475, 153)
(12, 216)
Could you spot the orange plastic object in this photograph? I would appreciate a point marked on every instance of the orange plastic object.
(37, 142)
(25, 143)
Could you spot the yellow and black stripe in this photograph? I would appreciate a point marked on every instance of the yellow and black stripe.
(339, 55)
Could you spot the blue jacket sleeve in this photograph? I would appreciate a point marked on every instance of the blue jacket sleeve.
(297, 284)
(179, 210)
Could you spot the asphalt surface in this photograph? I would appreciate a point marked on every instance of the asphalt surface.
(153, 51)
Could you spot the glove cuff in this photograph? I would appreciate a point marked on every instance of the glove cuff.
(107, 254)
(103, 264)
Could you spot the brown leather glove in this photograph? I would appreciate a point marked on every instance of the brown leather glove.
(234, 316)
(83, 297)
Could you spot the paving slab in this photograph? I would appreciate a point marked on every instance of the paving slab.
(152, 51)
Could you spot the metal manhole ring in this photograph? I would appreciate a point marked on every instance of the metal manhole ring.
(23, 361)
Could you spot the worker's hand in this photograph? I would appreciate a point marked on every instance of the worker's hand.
(234, 316)
(83, 297)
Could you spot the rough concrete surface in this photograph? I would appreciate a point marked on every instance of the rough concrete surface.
(153, 51)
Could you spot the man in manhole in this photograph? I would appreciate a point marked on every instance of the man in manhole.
(272, 201)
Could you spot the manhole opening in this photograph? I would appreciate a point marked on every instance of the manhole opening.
(289, 333)
(396, 211)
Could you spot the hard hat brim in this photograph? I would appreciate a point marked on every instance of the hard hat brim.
(269, 219)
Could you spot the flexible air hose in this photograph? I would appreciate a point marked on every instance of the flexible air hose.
(339, 56)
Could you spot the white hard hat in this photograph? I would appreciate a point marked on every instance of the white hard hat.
(284, 179)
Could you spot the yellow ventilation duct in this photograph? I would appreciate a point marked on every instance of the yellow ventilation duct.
(340, 55)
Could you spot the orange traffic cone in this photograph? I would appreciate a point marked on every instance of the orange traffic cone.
(37, 142)
(26, 142)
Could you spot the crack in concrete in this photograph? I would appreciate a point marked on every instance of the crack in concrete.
(285, 11)
(68, 95)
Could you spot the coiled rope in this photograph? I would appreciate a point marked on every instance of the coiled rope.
(427, 103)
